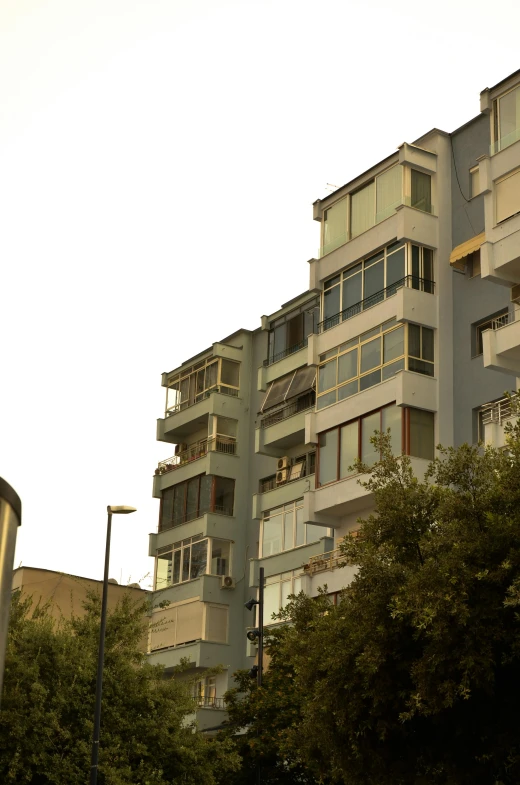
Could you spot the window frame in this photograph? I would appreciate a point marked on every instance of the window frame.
(190, 375)
(292, 577)
(290, 508)
(496, 135)
(187, 544)
(199, 512)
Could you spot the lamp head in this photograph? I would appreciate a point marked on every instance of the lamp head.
(120, 510)
(252, 635)
(250, 604)
(253, 673)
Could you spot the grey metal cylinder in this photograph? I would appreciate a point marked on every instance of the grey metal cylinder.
(10, 519)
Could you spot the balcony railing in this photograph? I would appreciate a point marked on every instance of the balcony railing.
(225, 444)
(210, 702)
(503, 321)
(302, 404)
(325, 561)
(270, 483)
(286, 352)
(498, 411)
(178, 520)
(219, 388)
(409, 281)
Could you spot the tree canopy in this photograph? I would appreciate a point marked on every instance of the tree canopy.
(414, 676)
(46, 717)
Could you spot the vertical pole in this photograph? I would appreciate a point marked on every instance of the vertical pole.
(101, 658)
(10, 519)
(261, 627)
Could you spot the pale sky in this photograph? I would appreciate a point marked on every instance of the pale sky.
(145, 144)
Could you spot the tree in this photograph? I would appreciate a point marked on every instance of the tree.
(414, 677)
(46, 717)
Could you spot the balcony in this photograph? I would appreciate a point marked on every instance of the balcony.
(329, 568)
(210, 456)
(199, 654)
(185, 419)
(501, 345)
(282, 364)
(273, 495)
(500, 253)
(285, 427)
(293, 559)
(216, 523)
(494, 416)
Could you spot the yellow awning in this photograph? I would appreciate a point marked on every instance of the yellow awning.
(464, 249)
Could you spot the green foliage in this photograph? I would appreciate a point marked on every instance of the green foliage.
(414, 677)
(46, 717)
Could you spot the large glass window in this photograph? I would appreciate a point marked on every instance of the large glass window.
(411, 433)
(277, 590)
(193, 498)
(335, 226)
(188, 559)
(372, 358)
(283, 529)
(289, 333)
(362, 210)
(198, 381)
(506, 112)
(372, 280)
(421, 197)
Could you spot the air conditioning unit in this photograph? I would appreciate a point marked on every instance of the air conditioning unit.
(180, 448)
(227, 582)
(515, 293)
(283, 463)
(281, 477)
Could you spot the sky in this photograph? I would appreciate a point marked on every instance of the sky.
(158, 164)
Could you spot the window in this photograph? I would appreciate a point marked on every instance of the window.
(474, 181)
(372, 358)
(411, 433)
(507, 196)
(481, 327)
(283, 529)
(473, 262)
(205, 692)
(289, 333)
(335, 226)
(200, 380)
(506, 120)
(372, 280)
(193, 498)
(188, 559)
(277, 589)
(421, 197)
(188, 621)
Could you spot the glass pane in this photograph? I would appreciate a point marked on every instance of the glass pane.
(347, 366)
(349, 448)
(297, 585)
(421, 191)
(179, 504)
(427, 344)
(389, 370)
(272, 536)
(176, 567)
(395, 270)
(428, 270)
(224, 495)
(230, 373)
(370, 355)
(414, 340)
(295, 331)
(352, 294)
(220, 557)
(369, 454)
(420, 366)
(279, 339)
(421, 434)
(163, 575)
(186, 563)
(327, 376)
(199, 558)
(211, 375)
(509, 116)
(326, 400)
(271, 602)
(315, 533)
(331, 305)
(300, 529)
(288, 531)
(167, 508)
(388, 192)
(192, 506)
(226, 427)
(348, 389)
(391, 417)
(362, 212)
(328, 456)
(206, 485)
(286, 590)
(374, 284)
(335, 226)
(369, 380)
(393, 344)
(416, 267)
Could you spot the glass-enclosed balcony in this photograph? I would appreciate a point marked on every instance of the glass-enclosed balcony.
(191, 558)
(194, 384)
(193, 452)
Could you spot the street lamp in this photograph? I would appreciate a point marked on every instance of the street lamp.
(10, 520)
(122, 510)
(259, 631)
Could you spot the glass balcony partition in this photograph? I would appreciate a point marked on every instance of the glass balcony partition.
(215, 374)
(194, 498)
(188, 559)
(289, 333)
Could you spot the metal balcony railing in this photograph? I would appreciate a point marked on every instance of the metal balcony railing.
(177, 520)
(209, 702)
(409, 281)
(270, 483)
(498, 411)
(219, 388)
(302, 404)
(325, 561)
(286, 352)
(225, 444)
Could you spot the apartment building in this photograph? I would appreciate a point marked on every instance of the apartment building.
(409, 322)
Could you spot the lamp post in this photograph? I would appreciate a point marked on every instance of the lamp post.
(10, 520)
(253, 635)
(101, 654)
